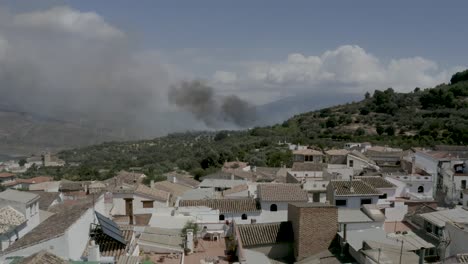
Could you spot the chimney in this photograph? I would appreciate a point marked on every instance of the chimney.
(174, 179)
(351, 188)
(152, 184)
(93, 252)
(422, 252)
(413, 165)
(190, 240)
(232, 177)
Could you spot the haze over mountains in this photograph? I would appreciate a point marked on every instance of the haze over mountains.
(71, 77)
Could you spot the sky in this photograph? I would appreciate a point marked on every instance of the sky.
(131, 54)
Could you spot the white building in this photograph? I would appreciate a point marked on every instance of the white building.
(12, 223)
(454, 177)
(137, 199)
(24, 202)
(351, 194)
(242, 211)
(274, 199)
(65, 234)
(359, 162)
(386, 189)
(413, 187)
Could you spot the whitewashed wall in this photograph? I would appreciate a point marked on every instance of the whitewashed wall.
(119, 204)
(272, 217)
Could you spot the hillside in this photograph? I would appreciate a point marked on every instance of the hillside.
(420, 118)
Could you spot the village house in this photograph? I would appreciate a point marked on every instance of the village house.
(130, 200)
(351, 194)
(239, 191)
(360, 162)
(12, 223)
(436, 226)
(274, 240)
(242, 211)
(432, 161)
(25, 183)
(307, 170)
(64, 234)
(274, 199)
(386, 189)
(308, 155)
(454, 177)
(25, 203)
(7, 178)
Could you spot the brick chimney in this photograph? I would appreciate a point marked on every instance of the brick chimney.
(314, 226)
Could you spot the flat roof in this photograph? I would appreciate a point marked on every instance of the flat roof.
(353, 216)
(440, 218)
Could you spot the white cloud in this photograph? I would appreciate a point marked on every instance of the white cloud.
(67, 20)
(224, 77)
(351, 67)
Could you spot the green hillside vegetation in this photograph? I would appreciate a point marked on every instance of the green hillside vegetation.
(420, 118)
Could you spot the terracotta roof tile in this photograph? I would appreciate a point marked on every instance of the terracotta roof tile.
(376, 181)
(10, 218)
(265, 234)
(352, 188)
(43, 257)
(281, 192)
(46, 198)
(6, 175)
(224, 205)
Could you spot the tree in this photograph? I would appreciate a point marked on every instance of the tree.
(380, 130)
(390, 130)
(331, 122)
(459, 76)
(22, 162)
(367, 95)
(360, 132)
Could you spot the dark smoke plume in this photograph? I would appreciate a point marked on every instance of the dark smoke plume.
(200, 100)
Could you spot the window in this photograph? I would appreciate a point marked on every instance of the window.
(428, 227)
(421, 189)
(366, 201)
(221, 217)
(273, 208)
(316, 197)
(323, 185)
(463, 183)
(147, 204)
(306, 174)
(244, 217)
(340, 202)
(461, 195)
(383, 196)
(351, 163)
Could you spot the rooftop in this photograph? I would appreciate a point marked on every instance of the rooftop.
(265, 234)
(376, 181)
(337, 152)
(46, 198)
(440, 218)
(43, 257)
(352, 216)
(281, 193)
(312, 152)
(173, 188)
(224, 205)
(221, 183)
(38, 179)
(200, 193)
(167, 238)
(142, 189)
(182, 179)
(6, 175)
(352, 188)
(56, 225)
(236, 189)
(308, 166)
(9, 219)
(18, 196)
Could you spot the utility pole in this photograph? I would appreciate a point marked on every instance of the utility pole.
(401, 250)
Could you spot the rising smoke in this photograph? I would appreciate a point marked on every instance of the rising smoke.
(215, 111)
